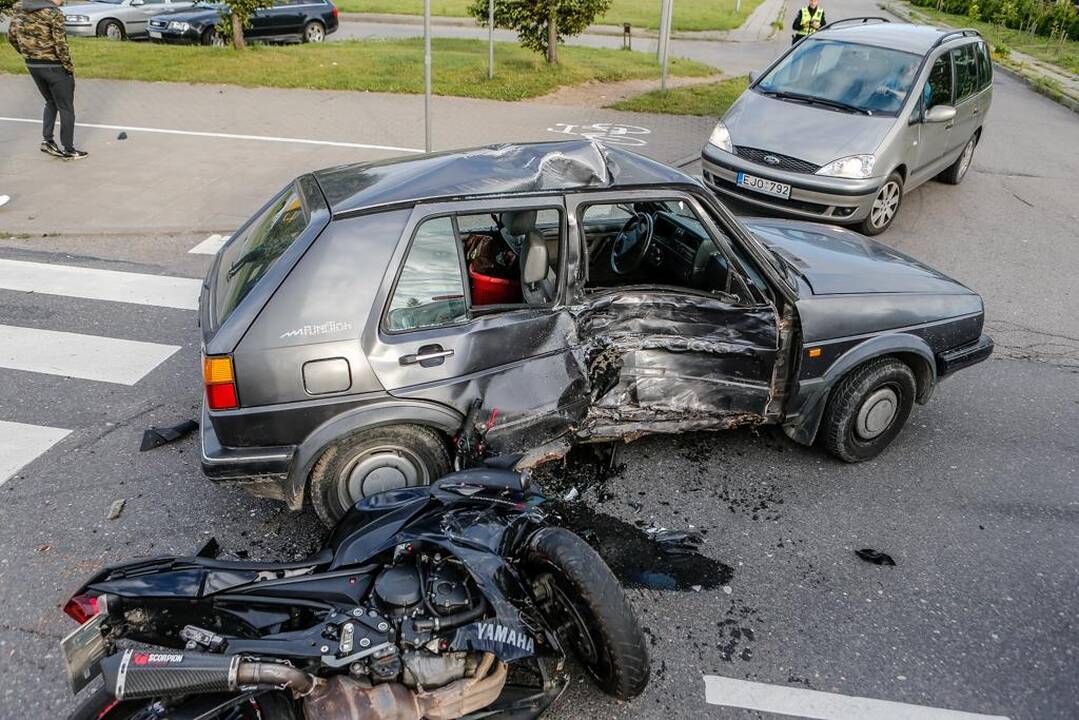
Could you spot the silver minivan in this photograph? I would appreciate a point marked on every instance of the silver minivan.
(850, 119)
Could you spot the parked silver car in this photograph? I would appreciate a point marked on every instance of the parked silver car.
(850, 119)
(116, 19)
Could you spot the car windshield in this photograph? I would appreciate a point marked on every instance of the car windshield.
(847, 77)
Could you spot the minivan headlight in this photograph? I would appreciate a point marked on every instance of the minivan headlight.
(721, 138)
(179, 26)
(855, 167)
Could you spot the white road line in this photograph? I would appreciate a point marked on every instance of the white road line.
(803, 703)
(95, 284)
(210, 245)
(81, 356)
(20, 444)
(227, 136)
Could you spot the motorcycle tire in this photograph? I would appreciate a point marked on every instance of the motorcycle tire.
(99, 705)
(609, 641)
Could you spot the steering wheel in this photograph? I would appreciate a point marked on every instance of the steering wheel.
(632, 243)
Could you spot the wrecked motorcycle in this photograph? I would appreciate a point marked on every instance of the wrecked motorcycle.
(447, 601)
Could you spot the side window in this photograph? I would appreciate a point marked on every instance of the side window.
(512, 256)
(429, 291)
(661, 242)
(985, 66)
(966, 72)
(938, 88)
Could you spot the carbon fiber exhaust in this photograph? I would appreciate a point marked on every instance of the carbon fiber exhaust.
(137, 674)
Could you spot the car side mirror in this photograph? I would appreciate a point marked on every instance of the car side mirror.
(753, 75)
(940, 113)
(136, 3)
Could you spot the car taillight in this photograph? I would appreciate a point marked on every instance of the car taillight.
(335, 11)
(82, 607)
(220, 383)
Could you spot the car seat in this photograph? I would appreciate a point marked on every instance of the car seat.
(538, 279)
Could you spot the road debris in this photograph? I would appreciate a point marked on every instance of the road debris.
(156, 437)
(875, 556)
(115, 509)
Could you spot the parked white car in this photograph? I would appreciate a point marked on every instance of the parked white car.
(116, 19)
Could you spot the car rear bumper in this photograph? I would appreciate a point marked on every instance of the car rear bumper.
(813, 197)
(222, 463)
(964, 356)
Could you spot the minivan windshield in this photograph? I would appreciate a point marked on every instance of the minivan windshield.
(843, 76)
(249, 255)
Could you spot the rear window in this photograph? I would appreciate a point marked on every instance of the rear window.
(254, 251)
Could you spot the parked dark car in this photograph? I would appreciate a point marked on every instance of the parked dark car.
(284, 21)
(579, 293)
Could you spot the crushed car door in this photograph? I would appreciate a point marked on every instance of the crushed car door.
(671, 334)
(461, 321)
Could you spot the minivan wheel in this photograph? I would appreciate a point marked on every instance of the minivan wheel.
(885, 206)
(958, 170)
(372, 461)
(868, 409)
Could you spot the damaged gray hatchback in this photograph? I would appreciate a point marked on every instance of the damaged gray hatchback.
(574, 292)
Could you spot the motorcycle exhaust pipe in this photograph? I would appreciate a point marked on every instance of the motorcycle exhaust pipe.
(137, 674)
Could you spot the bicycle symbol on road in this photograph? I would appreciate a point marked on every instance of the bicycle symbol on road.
(610, 133)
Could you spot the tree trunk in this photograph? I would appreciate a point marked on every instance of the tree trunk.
(552, 33)
(237, 32)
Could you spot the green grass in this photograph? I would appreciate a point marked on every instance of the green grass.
(709, 99)
(460, 66)
(688, 14)
(1066, 57)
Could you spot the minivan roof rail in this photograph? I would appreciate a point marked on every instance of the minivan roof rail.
(953, 34)
(862, 20)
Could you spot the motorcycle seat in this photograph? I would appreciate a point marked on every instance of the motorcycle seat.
(491, 478)
(322, 557)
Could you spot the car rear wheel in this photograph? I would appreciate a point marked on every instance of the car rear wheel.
(868, 409)
(314, 32)
(111, 29)
(958, 170)
(885, 206)
(372, 461)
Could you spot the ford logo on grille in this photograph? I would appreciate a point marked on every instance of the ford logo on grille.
(771, 159)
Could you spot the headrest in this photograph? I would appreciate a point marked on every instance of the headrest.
(519, 222)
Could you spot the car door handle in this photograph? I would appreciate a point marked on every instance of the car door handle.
(975, 111)
(427, 356)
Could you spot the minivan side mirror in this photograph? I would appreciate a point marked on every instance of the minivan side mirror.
(753, 75)
(940, 113)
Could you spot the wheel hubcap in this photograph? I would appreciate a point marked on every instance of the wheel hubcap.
(377, 470)
(314, 34)
(964, 161)
(885, 205)
(877, 413)
(113, 32)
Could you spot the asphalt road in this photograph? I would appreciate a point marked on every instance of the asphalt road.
(977, 501)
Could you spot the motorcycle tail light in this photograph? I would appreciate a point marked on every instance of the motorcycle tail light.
(81, 608)
(220, 383)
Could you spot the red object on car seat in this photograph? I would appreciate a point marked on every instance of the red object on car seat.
(489, 290)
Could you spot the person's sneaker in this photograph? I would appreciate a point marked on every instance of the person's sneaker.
(74, 154)
(52, 149)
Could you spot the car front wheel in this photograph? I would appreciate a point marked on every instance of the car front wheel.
(885, 206)
(868, 409)
(372, 461)
(213, 37)
(314, 32)
(111, 29)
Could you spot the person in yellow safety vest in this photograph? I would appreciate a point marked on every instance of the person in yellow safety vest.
(808, 21)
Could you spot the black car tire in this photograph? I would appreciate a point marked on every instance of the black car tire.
(104, 26)
(619, 654)
(402, 450)
(958, 169)
(213, 37)
(890, 195)
(314, 32)
(868, 408)
(99, 705)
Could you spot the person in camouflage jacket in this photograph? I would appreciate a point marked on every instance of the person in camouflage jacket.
(37, 33)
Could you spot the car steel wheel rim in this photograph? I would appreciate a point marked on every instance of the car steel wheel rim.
(877, 413)
(885, 205)
(314, 34)
(965, 158)
(378, 469)
(112, 32)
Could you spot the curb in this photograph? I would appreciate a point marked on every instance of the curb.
(1030, 79)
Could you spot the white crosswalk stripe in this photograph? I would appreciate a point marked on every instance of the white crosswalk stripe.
(80, 356)
(21, 443)
(95, 284)
(210, 245)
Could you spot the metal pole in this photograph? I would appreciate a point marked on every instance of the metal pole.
(491, 39)
(662, 27)
(669, 9)
(427, 73)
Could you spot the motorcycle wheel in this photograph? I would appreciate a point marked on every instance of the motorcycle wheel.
(586, 602)
(99, 705)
